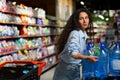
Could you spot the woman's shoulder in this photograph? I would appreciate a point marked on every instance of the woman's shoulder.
(75, 31)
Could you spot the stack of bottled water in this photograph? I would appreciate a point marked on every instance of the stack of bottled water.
(97, 69)
(102, 66)
(88, 67)
(115, 60)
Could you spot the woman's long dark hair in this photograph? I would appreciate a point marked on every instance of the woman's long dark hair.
(72, 24)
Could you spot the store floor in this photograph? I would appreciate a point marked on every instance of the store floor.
(48, 75)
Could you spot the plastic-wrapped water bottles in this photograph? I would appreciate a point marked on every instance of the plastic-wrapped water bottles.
(101, 70)
(115, 61)
(88, 67)
(113, 46)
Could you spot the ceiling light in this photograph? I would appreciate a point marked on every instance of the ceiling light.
(14, 3)
(94, 11)
(36, 8)
(81, 2)
(107, 19)
(100, 16)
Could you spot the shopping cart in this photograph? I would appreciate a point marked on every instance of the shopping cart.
(21, 70)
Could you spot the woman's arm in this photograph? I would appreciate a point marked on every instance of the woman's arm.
(81, 56)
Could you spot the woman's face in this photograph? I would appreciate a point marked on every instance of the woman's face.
(84, 20)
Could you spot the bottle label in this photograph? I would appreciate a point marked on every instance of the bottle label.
(116, 64)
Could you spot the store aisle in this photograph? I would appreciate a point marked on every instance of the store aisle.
(48, 75)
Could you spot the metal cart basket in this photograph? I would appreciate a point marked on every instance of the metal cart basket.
(21, 70)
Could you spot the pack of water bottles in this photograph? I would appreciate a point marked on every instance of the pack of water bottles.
(108, 65)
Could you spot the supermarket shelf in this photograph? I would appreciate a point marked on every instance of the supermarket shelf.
(13, 51)
(18, 14)
(27, 24)
(52, 26)
(46, 56)
(14, 23)
(50, 67)
(26, 36)
(50, 34)
(55, 18)
(7, 53)
(45, 45)
(51, 17)
(19, 36)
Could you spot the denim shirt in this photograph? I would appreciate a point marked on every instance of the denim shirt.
(76, 43)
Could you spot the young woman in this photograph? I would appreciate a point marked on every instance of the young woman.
(71, 45)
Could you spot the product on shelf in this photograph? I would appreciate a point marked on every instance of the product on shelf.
(26, 34)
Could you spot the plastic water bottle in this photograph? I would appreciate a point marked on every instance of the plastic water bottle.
(101, 70)
(113, 46)
(91, 44)
(115, 61)
(88, 67)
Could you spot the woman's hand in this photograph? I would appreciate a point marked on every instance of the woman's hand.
(92, 58)
(81, 56)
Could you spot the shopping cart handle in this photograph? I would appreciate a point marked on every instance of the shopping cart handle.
(18, 62)
(40, 64)
(23, 62)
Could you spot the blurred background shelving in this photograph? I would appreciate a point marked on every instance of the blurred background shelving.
(29, 29)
